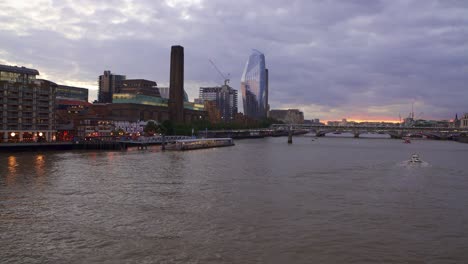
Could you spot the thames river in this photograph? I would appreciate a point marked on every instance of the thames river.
(326, 200)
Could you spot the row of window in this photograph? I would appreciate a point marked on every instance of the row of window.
(16, 77)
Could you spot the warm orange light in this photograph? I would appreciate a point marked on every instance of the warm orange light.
(374, 120)
(12, 164)
(360, 120)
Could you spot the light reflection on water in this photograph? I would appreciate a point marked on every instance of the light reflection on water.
(12, 164)
(335, 200)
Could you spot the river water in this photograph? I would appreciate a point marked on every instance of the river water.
(328, 200)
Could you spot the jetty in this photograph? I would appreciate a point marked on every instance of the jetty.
(96, 144)
(201, 143)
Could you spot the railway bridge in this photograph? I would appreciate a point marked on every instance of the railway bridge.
(393, 131)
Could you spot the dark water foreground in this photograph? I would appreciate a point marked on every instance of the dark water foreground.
(262, 201)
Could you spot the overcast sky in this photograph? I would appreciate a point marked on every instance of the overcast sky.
(355, 59)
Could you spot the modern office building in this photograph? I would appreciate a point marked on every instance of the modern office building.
(225, 99)
(254, 86)
(72, 93)
(289, 116)
(26, 106)
(108, 85)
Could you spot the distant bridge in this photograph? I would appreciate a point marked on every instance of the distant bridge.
(393, 131)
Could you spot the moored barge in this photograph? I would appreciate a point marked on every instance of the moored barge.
(189, 144)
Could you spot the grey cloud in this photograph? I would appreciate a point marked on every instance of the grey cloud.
(323, 55)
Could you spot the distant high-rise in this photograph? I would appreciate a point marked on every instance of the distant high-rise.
(254, 86)
(176, 85)
(225, 99)
(108, 85)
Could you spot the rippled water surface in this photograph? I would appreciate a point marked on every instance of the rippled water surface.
(332, 200)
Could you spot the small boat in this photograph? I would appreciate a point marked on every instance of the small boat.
(406, 141)
(415, 159)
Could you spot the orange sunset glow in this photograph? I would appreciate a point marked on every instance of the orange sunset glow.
(359, 120)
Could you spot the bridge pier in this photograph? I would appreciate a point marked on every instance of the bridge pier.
(397, 135)
(356, 134)
(163, 143)
(320, 133)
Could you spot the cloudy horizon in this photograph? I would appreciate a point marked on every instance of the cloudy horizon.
(360, 60)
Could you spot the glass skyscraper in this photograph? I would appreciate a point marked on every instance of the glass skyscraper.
(254, 86)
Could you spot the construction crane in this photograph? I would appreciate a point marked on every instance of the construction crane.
(226, 79)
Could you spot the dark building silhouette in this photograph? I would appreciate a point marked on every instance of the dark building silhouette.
(290, 116)
(456, 122)
(176, 85)
(266, 93)
(72, 93)
(225, 99)
(140, 86)
(108, 85)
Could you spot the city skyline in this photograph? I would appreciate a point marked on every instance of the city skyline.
(333, 60)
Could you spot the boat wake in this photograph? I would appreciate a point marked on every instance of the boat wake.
(409, 164)
(414, 161)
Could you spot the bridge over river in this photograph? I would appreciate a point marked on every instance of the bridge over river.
(393, 131)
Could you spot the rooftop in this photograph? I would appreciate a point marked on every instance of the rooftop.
(16, 69)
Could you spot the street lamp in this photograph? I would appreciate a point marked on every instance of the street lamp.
(40, 134)
(13, 134)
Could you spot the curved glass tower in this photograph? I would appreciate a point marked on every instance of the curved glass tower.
(254, 86)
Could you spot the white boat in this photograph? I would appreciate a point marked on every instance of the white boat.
(415, 159)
